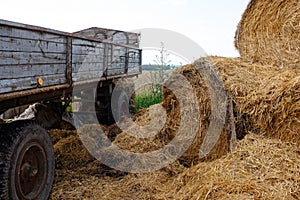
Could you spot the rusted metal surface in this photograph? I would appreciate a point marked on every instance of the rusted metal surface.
(8, 96)
(31, 170)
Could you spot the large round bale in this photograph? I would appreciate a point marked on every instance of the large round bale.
(267, 98)
(171, 124)
(266, 101)
(269, 33)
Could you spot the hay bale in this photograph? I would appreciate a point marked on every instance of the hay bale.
(258, 168)
(171, 124)
(200, 87)
(266, 97)
(269, 33)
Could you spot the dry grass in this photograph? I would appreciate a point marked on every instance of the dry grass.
(258, 168)
(266, 97)
(269, 33)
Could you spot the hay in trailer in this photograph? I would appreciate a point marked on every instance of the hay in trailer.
(258, 168)
(269, 33)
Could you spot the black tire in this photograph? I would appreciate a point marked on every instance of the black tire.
(120, 105)
(26, 161)
(103, 105)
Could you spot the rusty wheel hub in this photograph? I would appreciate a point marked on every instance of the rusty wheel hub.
(31, 171)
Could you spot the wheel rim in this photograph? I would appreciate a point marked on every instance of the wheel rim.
(31, 171)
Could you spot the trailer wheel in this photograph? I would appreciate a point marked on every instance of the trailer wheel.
(120, 105)
(26, 161)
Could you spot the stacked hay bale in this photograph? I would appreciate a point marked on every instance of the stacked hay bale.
(266, 101)
(269, 33)
(266, 97)
(265, 82)
(268, 38)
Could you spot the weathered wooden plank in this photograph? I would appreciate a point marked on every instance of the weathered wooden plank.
(11, 85)
(90, 58)
(83, 76)
(25, 45)
(111, 72)
(14, 58)
(87, 67)
(13, 32)
(133, 70)
(81, 42)
(18, 71)
(83, 50)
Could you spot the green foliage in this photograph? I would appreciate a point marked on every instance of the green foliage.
(146, 99)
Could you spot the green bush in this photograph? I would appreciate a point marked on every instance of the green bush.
(145, 100)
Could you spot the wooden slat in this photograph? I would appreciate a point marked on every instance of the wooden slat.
(86, 67)
(26, 45)
(12, 32)
(12, 85)
(82, 49)
(82, 76)
(15, 58)
(82, 42)
(90, 58)
(21, 71)
(115, 71)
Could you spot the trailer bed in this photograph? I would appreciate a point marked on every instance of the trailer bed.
(29, 54)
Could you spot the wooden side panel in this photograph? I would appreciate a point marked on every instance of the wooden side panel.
(16, 84)
(87, 60)
(26, 55)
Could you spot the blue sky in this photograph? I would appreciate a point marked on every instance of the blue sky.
(210, 23)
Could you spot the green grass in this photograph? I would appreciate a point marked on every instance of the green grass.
(145, 100)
